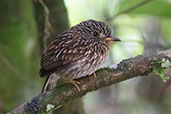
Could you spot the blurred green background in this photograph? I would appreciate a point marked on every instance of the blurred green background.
(144, 26)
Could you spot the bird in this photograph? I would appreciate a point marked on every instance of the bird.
(76, 53)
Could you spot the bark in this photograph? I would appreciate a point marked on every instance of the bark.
(58, 17)
(127, 69)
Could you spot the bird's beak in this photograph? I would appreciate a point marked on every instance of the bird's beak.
(111, 38)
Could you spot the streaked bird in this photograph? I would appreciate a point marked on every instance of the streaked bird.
(76, 53)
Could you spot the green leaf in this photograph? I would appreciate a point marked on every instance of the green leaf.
(160, 67)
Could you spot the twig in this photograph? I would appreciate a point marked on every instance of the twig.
(127, 69)
(47, 26)
(128, 10)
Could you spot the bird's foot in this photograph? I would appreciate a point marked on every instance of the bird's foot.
(94, 75)
(75, 83)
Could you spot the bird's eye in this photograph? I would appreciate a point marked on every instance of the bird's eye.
(95, 34)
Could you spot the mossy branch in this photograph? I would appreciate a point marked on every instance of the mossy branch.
(127, 69)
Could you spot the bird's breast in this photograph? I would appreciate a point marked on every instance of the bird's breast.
(91, 57)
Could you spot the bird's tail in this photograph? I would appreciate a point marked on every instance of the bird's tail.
(50, 83)
(44, 72)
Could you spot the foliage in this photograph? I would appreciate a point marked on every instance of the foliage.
(160, 67)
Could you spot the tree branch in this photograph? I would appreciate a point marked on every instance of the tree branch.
(129, 9)
(47, 26)
(127, 69)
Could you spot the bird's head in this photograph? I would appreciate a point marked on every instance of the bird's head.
(96, 30)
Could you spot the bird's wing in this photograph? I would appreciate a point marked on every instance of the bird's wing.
(63, 51)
